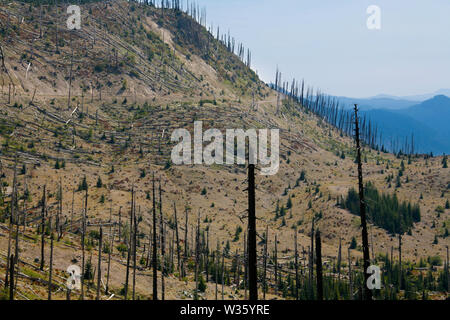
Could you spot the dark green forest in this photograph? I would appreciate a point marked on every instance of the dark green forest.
(384, 210)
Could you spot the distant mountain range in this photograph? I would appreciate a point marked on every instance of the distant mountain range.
(427, 121)
(390, 102)
(420, 97)
(425, 116)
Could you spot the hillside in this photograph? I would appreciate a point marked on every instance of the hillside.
(102, 102)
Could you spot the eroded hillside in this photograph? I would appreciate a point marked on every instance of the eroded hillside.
(102, 102)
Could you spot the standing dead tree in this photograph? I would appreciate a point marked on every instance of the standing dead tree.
(51, 267)
(163, 240)
(197, 256)
(111, 246)
(266, 240)
(72, 213)
(350, 278)
(252, 256)
(339, 261)
(135, 233)
(155, 252)
(130, 246)
(275, 260)
(12, 260)
(59, 227)
(186, 246)
(319, 267)
(296, 264)
(99, 268)
(177, 239)
(44, 199)
(11, 223)
(83, 236)
(5, 70)
(362, 206)
(400, 271)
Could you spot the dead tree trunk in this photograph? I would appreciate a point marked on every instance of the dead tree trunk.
(339, 259)
(154, 260)
(311, 259)
(163, 240)
(252, 256)
(44, 200)
(296, 264)
(223, 275)
(362, 206)
(130, 246)
(11, 223)
(276, 265)
(266, 239)
(58, 218)
(120, 224)
(350, 274)
(186, 247)
(72, 213)
(197, 256)
(11, 276)
(245, 261)
(319, 267)
(83, 236)
(99, 268)
(207, 255)
(400, 275)
(51, 268)
(217, 261)
(134, 252)
(111, 246)
(177, 239)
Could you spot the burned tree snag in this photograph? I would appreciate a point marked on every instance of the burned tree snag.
(51, 267)
(72, 213)
(400, 271)
(120, 224)
(223, 274)
(186, 247)
(99, 268)
(44, 199)
(197, 256)
(11, 222)
(350, 278)
(163, 240)
(252, 257)
(296, 264)
(111, 246)
(319, 267)
(177, 239)
(276, 264)
(155, 252)
(11, 277)
(266, 239)
(130, 246)
(339, 261)
(83, 236)
(362, 206)
(134, 251)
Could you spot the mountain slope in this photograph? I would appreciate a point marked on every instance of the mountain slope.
(427, 122)
(434, 113)
(138, 73)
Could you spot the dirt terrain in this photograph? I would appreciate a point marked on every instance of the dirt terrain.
(132, 82)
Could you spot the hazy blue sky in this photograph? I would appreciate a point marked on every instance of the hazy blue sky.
(327, 42)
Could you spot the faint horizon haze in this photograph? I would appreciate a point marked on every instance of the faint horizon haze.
(327, 43)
